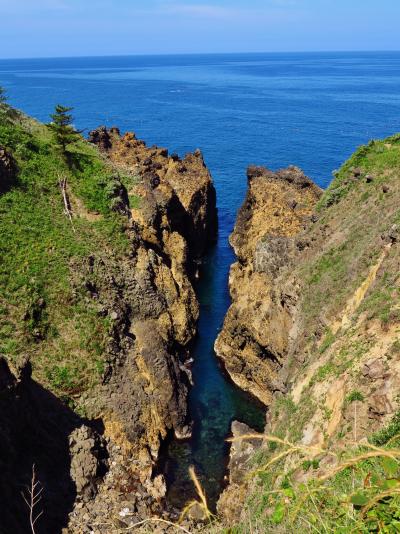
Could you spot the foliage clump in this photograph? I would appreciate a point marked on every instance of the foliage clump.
(61, 126)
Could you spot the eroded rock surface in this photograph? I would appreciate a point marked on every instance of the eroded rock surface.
(241, 452)
(313, 330)
(186, 182)
(42, 440)
(153, 311)
(256, 333)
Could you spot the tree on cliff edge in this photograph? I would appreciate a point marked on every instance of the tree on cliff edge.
(63, 130)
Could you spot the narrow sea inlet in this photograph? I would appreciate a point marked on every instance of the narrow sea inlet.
(307, 109)
(214, 402)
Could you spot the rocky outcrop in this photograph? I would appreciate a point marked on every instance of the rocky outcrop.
(241, 452)
(88, 454)
(313, 330)
(187, 180)
(8, 170)
(253, 343)
(149, 300)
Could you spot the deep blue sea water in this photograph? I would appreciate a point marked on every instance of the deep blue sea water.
(311, 110)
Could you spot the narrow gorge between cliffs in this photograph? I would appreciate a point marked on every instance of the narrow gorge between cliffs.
(214, 401)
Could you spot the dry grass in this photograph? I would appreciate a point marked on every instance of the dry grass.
(201, 502)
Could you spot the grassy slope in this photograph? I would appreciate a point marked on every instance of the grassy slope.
(41, 314)
(288, 493)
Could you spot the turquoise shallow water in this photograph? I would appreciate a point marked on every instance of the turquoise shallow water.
(311, 110)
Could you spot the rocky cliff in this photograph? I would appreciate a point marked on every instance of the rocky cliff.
(187, 181)
(254, 340)
(155, 311)
(313, 331)
(98, 263)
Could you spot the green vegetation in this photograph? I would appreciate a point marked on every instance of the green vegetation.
(339, 492)
(389, 433)
(45, 311)
(355, 396)
(367, 211)
(376, 158)
(349, 314)
(62, 129)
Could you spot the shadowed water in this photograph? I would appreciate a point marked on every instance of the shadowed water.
(311, 110)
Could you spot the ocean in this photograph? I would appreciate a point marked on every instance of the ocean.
(306, 109)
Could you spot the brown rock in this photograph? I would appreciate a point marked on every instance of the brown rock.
(254, 338)
(379, 405)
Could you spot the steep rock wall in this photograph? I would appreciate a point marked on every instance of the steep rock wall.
(327, 313)
(100, 462)
(254, 340)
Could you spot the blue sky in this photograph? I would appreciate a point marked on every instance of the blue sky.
(44, 28)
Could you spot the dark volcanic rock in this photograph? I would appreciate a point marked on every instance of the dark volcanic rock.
(101, 137)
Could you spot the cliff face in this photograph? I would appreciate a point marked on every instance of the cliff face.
(313, 331)
(45, 443)
(155, 311)
(254, 340)
(105, 310)
(187, 181)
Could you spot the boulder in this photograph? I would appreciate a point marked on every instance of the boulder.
(87, 461)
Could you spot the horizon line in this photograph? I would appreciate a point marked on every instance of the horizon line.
(186, 54)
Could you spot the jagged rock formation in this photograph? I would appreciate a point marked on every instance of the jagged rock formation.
(313, 330)
(151, 303)
(186, 181)
(253, 343)
(110, 332)
(240, 454)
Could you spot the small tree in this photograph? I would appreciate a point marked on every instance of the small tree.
(62, 128)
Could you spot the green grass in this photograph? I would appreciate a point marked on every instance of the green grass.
(355, 494)
(376, 158)
(42, 313)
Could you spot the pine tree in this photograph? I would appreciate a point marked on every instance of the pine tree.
(62, 128)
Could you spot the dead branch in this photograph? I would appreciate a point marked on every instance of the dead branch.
(32, 497)
(67, 204)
